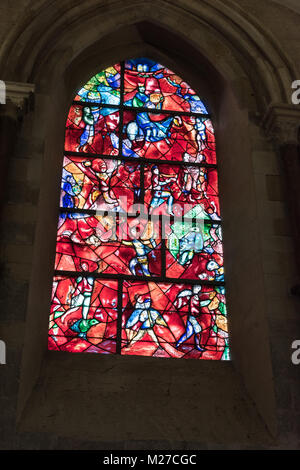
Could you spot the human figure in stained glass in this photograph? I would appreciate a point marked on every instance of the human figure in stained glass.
(143, 246)
(83, 290)
(222, 330)
(152, 90)
(71, 187)
(81, 300)
(104, 171)
(184, 92)
(192, 327)
(148, 316)
(140, 98)
(190, 244)
(201, 134)
(159, 119)
(194, 178)
(89, 117)
(161, 191)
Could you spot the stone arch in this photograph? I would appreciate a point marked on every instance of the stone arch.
(55, 66)
(48, 31)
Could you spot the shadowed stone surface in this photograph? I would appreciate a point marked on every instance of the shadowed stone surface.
(241, 59)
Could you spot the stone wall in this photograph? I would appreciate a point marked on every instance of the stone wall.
(252, 402)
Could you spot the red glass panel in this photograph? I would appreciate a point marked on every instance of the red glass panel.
(83, 316)
(168, 137)
(194, 251)
(102, 235)
(106, 245)
(92, 129)
(151, 85)
(100, 184)
(173, 320)
(182, 190)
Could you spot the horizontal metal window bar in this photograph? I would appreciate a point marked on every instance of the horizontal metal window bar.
(138, 160)
(142, 109)
(133, 278)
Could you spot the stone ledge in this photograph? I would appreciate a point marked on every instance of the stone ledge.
(281, 123)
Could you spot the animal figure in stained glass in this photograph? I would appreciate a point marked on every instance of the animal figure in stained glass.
(83, 326)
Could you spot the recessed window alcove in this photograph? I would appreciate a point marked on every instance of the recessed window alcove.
(129, 398)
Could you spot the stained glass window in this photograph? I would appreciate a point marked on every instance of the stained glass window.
(139, 255)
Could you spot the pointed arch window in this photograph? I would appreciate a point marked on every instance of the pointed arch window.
(139, 257)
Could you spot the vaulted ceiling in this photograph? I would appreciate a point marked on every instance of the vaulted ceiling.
(292, 4)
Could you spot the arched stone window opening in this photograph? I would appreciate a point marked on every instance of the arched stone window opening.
(241, 91)
(139, 258)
